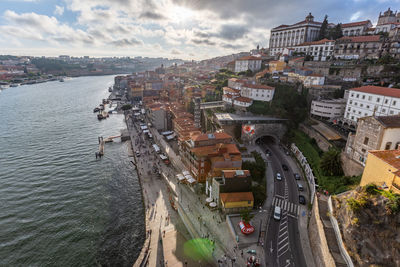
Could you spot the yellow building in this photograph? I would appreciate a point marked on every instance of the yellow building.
(237, 201)
(383, 169)
(276, 65)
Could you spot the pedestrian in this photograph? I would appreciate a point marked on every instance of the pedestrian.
(241, 253)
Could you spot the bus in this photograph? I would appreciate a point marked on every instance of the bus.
(156, 149)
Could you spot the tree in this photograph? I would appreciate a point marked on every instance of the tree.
(246, 215)
(331, 164)
(126, 107)
(323, 30)
(336, 32)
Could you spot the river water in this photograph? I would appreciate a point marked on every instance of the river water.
(59, 206)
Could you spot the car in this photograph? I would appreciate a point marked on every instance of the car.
(137, 154)
(284, 167)
(302, 200)
(296, 176)
(277, 213)
(300, 187)
(278, 176)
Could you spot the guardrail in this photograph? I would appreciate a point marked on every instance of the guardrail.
(307, 169)
(338, 235)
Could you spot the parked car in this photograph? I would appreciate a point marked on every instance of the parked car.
(267, 152)
(284, 167)
(137, 154)
(277, 213)
(278, 176)
(296, 176)
(302, 200)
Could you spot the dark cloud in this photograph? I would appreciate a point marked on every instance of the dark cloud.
(231, 46)
(126, 42)
(233, 32)
(203, 41)
(151, 15)
(202, 34)
(175, 52)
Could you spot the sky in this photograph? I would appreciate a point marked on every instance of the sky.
(186, 29)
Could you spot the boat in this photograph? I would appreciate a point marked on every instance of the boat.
(101, 106)
(96, 109)
(100, 116)
(14, 85)
(61, 80)
(110, 89)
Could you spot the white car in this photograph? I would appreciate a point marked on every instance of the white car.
(277, 213)
(278, 176)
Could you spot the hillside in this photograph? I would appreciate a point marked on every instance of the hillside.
(369, 220)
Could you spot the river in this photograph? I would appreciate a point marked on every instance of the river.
(59, 205)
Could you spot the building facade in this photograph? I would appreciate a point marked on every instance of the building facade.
(373, 133)
(247, 63)
(371, 100)
(291, 35)
(383, 169)
(358, 47)
(328, 109)
(257, 92)
(356, 28)
(319, 50)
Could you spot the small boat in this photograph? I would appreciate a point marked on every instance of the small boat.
(100, 117)
(61, 80)
(96, 109)
(110, 89)
(14, 85)
(101, 106)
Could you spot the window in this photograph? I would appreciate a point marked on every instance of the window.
(351, 102)
(363, 150)
(386, 101)
(370, 98)
(359, 113)
(365, 114)
(397, 145)
(391, 112)
(361, 105)
(388, 145)
(363, 96)
(394, 103)
(352, 117)
(383, 110)
(368, 106)
(352, 95)
(348, 109)
(358, 95)
(366, 139)
(378, 99)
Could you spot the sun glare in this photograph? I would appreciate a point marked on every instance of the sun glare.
(181, 14)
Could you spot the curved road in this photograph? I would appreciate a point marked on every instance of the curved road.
(282, 242)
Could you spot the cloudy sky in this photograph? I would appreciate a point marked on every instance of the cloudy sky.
(187, 29)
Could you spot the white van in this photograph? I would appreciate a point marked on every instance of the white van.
(156, 148)
(277, 213)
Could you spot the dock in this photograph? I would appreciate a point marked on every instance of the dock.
(101, 147)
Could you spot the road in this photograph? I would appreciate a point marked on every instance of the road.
(282, 244)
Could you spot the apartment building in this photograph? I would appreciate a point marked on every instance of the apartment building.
(319, 50)
(248, 63)
(373, 133)
(356, 28)
(358, 47)
(371, 100)
(328, 109)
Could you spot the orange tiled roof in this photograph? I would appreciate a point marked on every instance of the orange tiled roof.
(215, 149)
(355, 24)
(259, 86)
(249, 58)
(236, 91)
(243, 99)
(234, 173)
(315, 42)
(378, 90)
(360, 39)
(392, 157)
(203, 137)
(236, 197)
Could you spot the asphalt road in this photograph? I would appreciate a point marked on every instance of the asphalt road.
(282, 243)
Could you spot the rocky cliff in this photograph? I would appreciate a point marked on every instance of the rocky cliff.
(369, 220)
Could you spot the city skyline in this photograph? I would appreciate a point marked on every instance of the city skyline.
(167, 28)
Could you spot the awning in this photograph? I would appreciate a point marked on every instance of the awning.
(180, 177)
(191, 180)
(185, 173)
(213, 204)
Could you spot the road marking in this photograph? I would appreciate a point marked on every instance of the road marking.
(288, 264)
(279, 196)
(285, 245)
(283, 228)
(286, 238)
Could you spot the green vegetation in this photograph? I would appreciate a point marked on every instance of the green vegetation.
(246, 215)
(247, 73)
(287, 103)
(323, 29)
(257, 171)
(126, 107)
(333, 184)
(357, 204)
(331, 164)
(46, 65)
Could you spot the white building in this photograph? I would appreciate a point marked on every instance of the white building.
(318, 50)
(328, 109)
(291, 35)
(371, 100)
(387, 27)
(356, 28)
(257, 92)
(247, 63)
(313, 79)
(243, 102)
